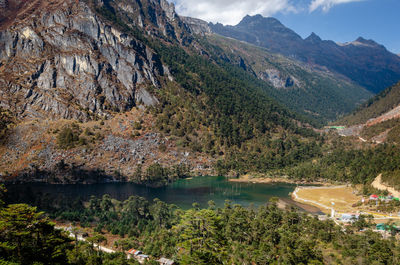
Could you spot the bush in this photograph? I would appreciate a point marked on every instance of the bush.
(69, 137)
(137, 126)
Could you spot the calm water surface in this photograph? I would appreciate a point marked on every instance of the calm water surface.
(182, 193)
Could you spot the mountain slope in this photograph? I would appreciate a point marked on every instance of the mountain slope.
(69, 46)
(363, 61)
(377, 120)
(313, 92)
(121, 90)
(375, 107)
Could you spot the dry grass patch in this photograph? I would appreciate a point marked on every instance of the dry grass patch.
(343, 197)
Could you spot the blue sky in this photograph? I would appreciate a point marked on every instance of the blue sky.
(338, 20)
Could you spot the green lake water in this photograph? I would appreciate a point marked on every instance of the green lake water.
(182, 193)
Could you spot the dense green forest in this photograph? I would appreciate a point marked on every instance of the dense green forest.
(216, 108)
(229, 235)
(352, 166)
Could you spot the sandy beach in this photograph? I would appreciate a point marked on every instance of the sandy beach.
(252, 179)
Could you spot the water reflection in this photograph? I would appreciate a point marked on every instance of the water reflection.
(183, 193)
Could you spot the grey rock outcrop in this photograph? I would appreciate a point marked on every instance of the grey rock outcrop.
(278, 80)
(197, 26)
(65, 62)
(3, 4)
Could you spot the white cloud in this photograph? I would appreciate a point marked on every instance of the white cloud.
(231, 12)
(327, 4)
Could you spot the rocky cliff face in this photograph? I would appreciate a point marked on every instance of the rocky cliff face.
(156, 17)
(65, 62)
(197, 26)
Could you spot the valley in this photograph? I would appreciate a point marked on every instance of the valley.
(126, 126)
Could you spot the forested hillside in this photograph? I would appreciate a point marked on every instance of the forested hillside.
(232, 234)
(313, 92)
(146, 93)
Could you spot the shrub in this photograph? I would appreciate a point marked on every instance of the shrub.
(68, 137)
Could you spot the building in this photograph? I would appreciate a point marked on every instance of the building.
(322, 217)
(164, 261)
(132, 253)
(349, 217)
(381, 227)
(374, 197)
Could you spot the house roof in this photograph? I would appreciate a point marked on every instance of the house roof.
(374, 196)
(134, 251)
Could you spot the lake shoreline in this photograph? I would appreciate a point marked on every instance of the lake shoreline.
(283, 203)
(271, 180)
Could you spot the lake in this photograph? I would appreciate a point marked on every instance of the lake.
(182, 193)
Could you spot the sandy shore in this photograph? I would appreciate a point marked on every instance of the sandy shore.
(252, 179)
(287, 202)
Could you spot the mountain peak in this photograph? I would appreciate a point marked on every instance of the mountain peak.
(361, 40)
(313, 38)
(259, 19)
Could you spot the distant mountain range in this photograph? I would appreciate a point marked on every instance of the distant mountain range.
(366, 62)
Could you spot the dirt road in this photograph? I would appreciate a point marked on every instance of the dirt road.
(378, 184)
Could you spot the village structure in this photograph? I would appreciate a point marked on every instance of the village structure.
(342, 205)
(130, 254)
(142, 258)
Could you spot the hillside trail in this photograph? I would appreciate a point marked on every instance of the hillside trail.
(378, 184)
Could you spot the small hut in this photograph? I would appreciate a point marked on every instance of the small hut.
(374, 197)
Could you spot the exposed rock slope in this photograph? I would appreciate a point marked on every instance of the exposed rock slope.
(378, 120)
(67, 63)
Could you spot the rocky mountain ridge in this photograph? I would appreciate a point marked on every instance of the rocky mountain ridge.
(364, 61)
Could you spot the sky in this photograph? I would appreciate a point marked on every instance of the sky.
(337, 20)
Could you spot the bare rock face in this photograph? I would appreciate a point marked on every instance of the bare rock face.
(65, 62)
(157, 17)
(197, 26)
(278, 80)
(3, 4)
